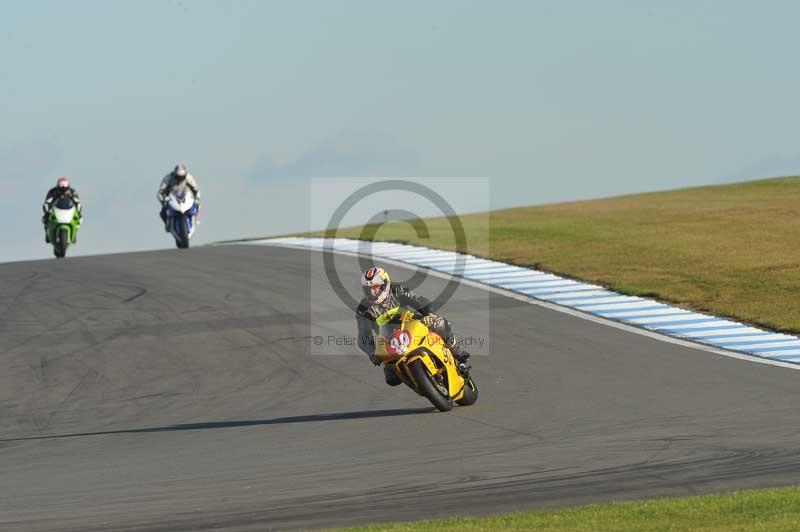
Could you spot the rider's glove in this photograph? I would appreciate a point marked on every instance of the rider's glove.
(429, 320)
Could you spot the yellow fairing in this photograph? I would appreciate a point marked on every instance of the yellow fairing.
(429, 348)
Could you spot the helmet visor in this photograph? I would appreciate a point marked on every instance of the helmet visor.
(372, 292)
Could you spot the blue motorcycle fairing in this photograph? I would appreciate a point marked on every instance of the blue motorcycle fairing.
(190, 214)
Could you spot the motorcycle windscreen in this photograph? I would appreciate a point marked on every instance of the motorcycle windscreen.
(181, 202)
(64, 203)
(389, 321)
(64, 216)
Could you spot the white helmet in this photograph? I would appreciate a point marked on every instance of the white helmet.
(179, 171)
(376, 284)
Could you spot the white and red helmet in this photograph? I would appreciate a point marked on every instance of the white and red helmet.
(376, 284)
(63, 182)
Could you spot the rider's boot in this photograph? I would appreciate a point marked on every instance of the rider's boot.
(163, 215)
(462, 358)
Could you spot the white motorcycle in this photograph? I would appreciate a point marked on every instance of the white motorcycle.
(181, 215)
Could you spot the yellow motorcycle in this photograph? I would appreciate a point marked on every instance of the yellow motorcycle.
(421, 360)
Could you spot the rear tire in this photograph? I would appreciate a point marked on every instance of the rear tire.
(62, 241)
(470, 393)
(425, 383)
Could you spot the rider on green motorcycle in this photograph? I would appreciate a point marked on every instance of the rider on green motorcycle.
(62, 188)
(380, 295)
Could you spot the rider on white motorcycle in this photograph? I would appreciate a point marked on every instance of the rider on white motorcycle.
(177, 177)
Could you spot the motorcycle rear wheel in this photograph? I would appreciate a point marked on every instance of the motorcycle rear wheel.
(424, 381)
(470, 393)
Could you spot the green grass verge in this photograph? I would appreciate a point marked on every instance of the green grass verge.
(729, 250)
(770, 510)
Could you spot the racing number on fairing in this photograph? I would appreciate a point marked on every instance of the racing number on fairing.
(399, 342)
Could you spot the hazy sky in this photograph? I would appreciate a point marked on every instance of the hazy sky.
(551, 101)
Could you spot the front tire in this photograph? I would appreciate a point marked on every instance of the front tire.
(183, 233)
(62, 241)
(437, 397)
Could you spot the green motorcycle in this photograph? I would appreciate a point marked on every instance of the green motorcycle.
(62, 229)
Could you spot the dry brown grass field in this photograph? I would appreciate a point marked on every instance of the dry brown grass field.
(728, 250)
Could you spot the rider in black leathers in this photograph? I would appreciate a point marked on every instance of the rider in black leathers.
(380, 294)
(62, 188)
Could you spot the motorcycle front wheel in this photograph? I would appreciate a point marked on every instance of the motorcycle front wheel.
(436, 393)
(183, 232)
(62, 240)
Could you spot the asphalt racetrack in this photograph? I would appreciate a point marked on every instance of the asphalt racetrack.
(182, 390)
